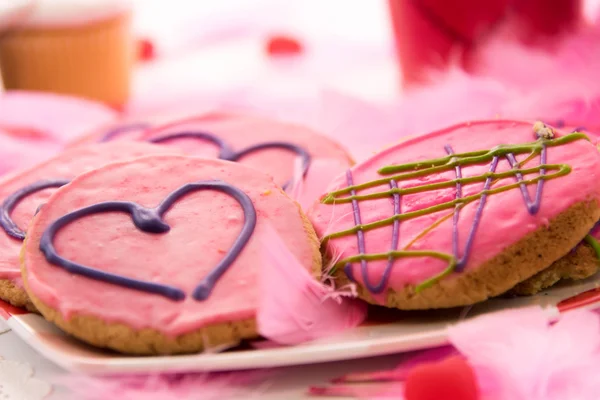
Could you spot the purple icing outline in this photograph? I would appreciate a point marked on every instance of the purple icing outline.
(119, 130)
(8, 205)
(227, 153)
(149, 220)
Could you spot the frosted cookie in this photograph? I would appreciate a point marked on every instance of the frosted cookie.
(18, 153)
(51, 117)
(132, 128)
(160, 255)
(23, 193)
(456, 216)
(581, 262)
(270, 146)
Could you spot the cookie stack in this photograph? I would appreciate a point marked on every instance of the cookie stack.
(149, 241)
(131, 243)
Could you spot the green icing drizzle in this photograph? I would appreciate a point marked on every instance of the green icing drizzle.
(589, 239)
(418, 169)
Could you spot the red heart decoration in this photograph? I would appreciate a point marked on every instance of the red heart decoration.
(450, 379)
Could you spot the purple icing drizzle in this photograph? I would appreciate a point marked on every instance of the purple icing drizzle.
(457, 208)
(361, 240)
(461, 262)
(559, 123)
(360, 235)
(532, 207)
(118, 131)
(228, 154)
(395, 239)
(150, 220)
(9, 204)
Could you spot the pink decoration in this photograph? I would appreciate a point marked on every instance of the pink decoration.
(293, 306)
(386, 384)
(308, 189)
(521, 355)
(207, 386)
(449, 379)
(401, 372)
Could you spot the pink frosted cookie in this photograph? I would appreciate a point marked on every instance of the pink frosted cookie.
(58, 118)
(454, 217)
(270, 146)
(130, 128)
(160, 254)
(581, 262)
(17, 153)
(21, 194)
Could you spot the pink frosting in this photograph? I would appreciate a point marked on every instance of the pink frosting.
(65, 166)
(203, 227)
(61, 118)
(242, 131)
(505, 219)
(19, 153)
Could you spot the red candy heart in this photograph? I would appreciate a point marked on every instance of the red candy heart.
(450, 379)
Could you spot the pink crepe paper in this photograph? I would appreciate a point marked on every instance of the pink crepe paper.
(294, 307)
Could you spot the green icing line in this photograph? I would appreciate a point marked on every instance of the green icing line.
(589, 239)
(482, 156)
(443, 164)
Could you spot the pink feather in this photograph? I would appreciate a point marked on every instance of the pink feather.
(555, 83)
(522, 355)
(295, 188)
(307, 189)
(294, 307)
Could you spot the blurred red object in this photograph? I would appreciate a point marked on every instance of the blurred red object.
(450, 379)
(433, 33)
(283, 45)
(146, 51)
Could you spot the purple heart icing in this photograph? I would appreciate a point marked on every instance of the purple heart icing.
(150, 220)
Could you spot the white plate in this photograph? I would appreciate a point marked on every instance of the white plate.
(387, 332)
